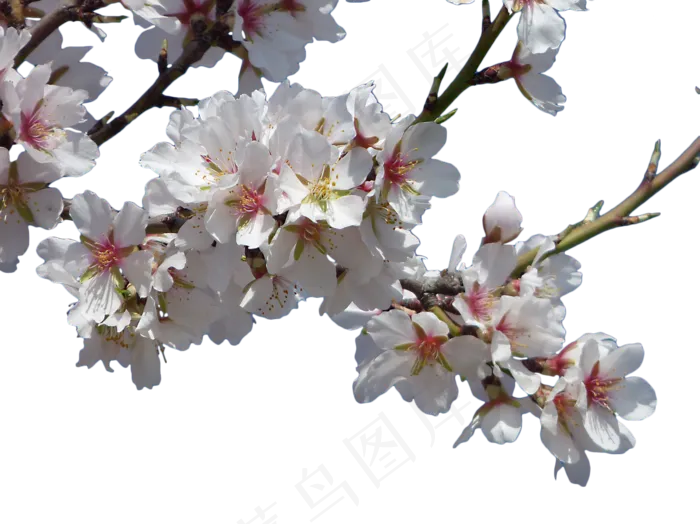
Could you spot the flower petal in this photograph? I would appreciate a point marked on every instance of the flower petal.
(635, 400)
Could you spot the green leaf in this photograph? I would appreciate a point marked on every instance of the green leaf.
(299, 249)
(24, 211)
(91, 272)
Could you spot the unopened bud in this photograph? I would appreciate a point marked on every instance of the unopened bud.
(654, 160)
(502, 221)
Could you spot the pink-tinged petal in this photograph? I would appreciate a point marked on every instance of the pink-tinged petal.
(130, 225)
(76, 156)
(622, 361)
(29, 171)
(465, 354)
(46, 207)
(502, 424)
(468, 432)
(365, 350)
(501, 350)
(556, 439)
(53, 251)
(315, 273)
(496, 262)
(138, 269)
(145, 365)
(543, 91)
(92, 215)
(352, 169)
(345, 211)
(383, 372)
(432, 325)
(528, 381)
(434, 389)
(194, 235)
(100, 297)
(590, 355)
(580, 473)
(435, 178)
(633, 399)
(255, 231)
(423, 140)
(602, 427)
(502, 220)
(459, 247)
(353, 317)
(541, 28)
(162, 279)
(14, 240)
(391, 329)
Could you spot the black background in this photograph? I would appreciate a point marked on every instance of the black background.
(616, 62)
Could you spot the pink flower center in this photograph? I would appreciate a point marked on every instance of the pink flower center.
(252, 16)
(509, 329)
(35, 131)
(106, 255)
(479, 301)
(428, 348)
(248, 201)
(598, 388)
(191, 8)
(397, 168)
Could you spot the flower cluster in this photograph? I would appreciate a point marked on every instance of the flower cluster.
(299, 196)
(498, 329)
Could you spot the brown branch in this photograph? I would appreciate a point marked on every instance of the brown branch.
(153, 96)
(47, 25)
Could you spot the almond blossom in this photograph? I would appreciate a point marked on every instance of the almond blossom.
(25, 199)
(415, 351)
(528, 71)
(42, 115)
(541, 27)
(502, 221)
(321, 184)
(408, 175)
(109, 245)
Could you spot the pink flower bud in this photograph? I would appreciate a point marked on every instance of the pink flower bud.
(367, 186)
(502, 220)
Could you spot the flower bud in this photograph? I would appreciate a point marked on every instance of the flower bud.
(502, 220)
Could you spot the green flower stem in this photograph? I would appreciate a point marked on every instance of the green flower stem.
(436, 106)
(594, 224)
(455, 330)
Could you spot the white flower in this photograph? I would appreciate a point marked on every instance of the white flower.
(247, 208)
(385, 233)
(530, 324)
(11, 42)
(321, 184)
(271, 296)
(416, 351)
(68, 68)
(180, 315)
(541, 27)
(25, 199)
(528, 71)
(108, 246)
(500, 420)
(42, 115)
(502, 221)
(368, 288)
(491, 267)
(173, 22)
(551, 278)
(407, 175)
(275, 32)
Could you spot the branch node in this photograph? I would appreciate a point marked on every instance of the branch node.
(486, 12)
(163, 57)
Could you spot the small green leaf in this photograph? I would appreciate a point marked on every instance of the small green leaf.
(91, 272)
(299, 249)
